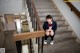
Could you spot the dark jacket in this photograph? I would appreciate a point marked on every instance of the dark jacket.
(54, 26)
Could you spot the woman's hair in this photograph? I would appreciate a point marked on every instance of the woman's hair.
(49, 17)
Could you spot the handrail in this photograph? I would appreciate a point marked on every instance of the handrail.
(38, 23)
(36, 14)
(36, 34)
(73, 8)
(28, 35)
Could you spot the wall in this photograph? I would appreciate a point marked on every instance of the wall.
(11, 6)
(72, 19)
(76, 4)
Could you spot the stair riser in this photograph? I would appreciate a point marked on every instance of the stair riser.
(63, 32)
(44, 9)
(42, 1)
(62, 28)
(44, 13)
(54, 18)
(58, 23)
(52, 7)
(63, 35)
(64, 39)
(44, 4)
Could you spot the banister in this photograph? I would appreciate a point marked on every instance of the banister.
(73, 8)
(36, 34)
(38, 23)
(28, 35)
(36, 14)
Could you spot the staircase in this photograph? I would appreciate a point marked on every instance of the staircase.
(64, 39)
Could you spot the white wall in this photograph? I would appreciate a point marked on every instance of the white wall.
(11, 6)
(76, 4)
(71, 18)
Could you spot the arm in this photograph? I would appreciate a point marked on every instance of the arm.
(44, 26)
(54, 26)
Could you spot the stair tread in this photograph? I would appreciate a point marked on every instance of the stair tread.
(60, 38)
(43, 2)
(60, 47)
(52, 15)
(45, 9)
(63, 31)
(64, 40)
(49, 11)
(59, 25)
(54, 20)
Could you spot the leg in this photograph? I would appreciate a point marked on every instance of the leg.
(47, 34)
(52, 35)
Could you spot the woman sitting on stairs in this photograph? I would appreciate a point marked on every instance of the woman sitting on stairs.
(50, 27)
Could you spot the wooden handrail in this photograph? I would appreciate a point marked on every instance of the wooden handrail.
(28, 35)
(73, 8)
(36, 14)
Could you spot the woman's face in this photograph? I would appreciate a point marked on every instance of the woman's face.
(49, 20)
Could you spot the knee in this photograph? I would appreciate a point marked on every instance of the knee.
(47, 33)
(52, 33)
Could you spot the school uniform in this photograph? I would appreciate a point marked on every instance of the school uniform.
(46, 26)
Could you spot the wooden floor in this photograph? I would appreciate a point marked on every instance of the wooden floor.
(7, 42)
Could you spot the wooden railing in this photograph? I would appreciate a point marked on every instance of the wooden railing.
(38, 33)
(73, 8)
(28, 35)
(39, 27)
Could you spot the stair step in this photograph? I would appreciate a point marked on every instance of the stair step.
(45, 9)
(64, 31)
(49, 13)
(63, 47)
(44, 3)
(58, 22)
(60, 38)
(60, 26)
(45, 6)
(44, 15)
(55, 18)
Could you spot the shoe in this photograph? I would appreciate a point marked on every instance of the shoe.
(52, 42)
(45, 41)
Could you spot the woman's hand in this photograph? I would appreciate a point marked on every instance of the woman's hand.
(50, 28)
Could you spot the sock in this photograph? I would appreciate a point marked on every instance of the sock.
(52, 37)
(46, 37)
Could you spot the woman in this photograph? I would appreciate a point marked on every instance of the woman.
(50, 27)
